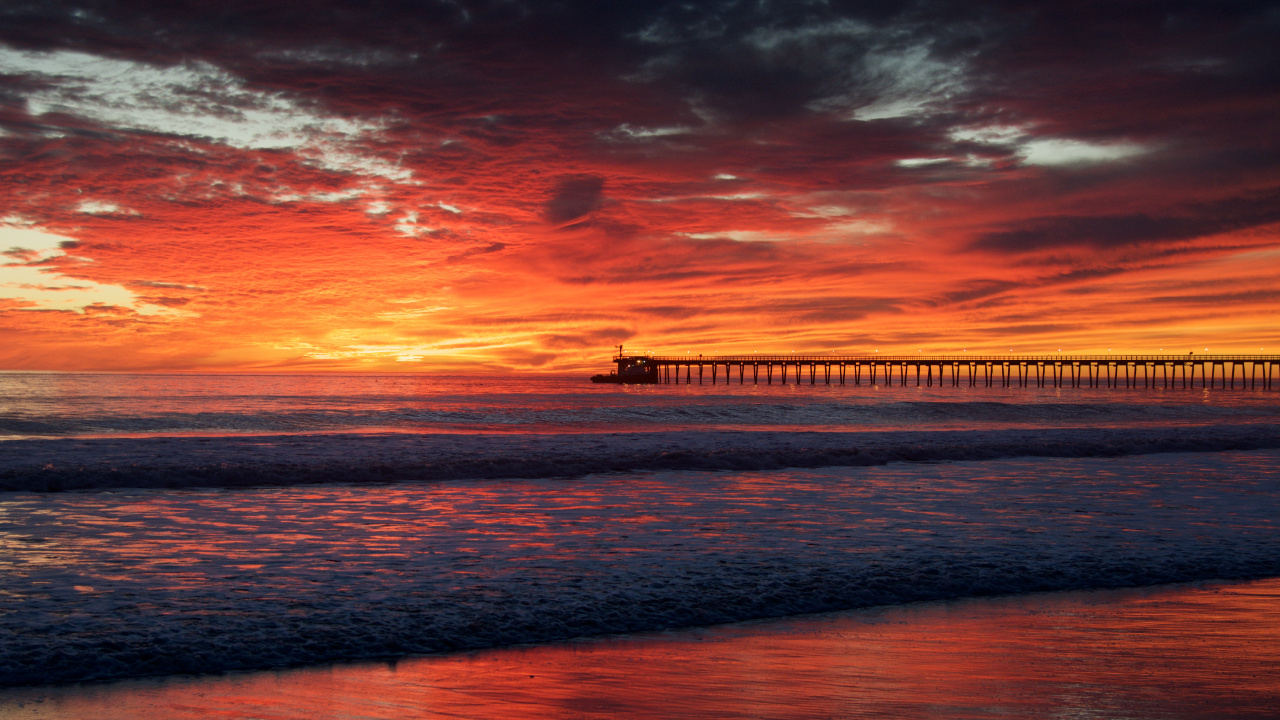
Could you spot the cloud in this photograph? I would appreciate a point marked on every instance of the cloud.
(472, 252)
(193, 99)
(767, 62)
(894, 75)
(626, 132)
(595, 339)
(703, 175)
(1054, 151)
(36, 286)
(167, 286)
(1114, 231)
(1032, 149)
(102, 207)
(574, 196)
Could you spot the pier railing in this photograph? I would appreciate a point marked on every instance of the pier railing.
(1109, 370)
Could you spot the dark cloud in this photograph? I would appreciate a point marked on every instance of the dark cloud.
(1114, 231)
(671, 312)
(753, 62)
(972, 290)
(472, 252)
(1106, 231)
(1025, 330)
(1221, 300)
(166, 285)
(593, 339)
(168, 301)
(574, 197)
(104, 309)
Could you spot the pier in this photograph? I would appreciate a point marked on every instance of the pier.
(1129, 371)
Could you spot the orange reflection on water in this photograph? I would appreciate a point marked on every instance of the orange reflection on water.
(1198, 651)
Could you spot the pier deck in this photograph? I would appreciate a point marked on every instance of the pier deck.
(1254, 371)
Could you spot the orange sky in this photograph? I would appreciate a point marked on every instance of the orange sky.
(440, 192)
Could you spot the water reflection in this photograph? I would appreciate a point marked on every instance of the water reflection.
(189, 581)
(1174, 653)
(134, 405)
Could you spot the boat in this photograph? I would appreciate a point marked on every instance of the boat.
(633, 375)
(632, 370)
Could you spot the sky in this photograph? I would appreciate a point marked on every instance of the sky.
(401, 185)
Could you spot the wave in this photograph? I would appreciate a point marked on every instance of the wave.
(420, 573)
(352, 414)
(392, 628)
(172, 462)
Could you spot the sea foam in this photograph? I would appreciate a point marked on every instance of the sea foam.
(134, 582)
(232, 461)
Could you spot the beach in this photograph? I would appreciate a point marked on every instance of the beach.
(1206, 650)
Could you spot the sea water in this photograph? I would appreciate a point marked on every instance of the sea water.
(241, 522)
(1191, 651)
(125, 405)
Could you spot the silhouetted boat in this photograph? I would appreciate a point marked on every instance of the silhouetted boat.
(634, 370)
(634, 375)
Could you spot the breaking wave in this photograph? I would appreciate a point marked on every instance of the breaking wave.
(205, 581)
(173, 462)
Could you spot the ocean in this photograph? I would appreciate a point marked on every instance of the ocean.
(163, 524)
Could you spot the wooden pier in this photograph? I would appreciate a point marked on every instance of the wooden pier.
(1130, 371)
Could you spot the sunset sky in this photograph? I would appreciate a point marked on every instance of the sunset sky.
(378, 185)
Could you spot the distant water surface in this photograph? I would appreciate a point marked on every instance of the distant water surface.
(61, 405)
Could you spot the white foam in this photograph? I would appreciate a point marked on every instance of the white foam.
(126, 583)
(233, 461)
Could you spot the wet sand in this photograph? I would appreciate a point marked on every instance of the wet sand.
(1204, 650)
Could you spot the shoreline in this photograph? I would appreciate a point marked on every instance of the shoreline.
(977, 657)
